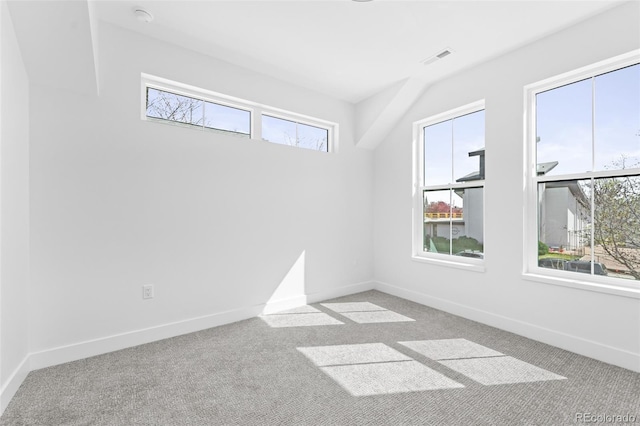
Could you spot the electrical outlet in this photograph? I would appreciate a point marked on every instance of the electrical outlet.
(147, 291)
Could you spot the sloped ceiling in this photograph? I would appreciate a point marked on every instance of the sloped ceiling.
(355, 51)
(58, 43)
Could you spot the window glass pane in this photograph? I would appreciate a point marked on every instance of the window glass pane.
(286, 132)
(617, 119)
(468, 225)
(226, 118)
(564, 222)
(468, 147)
(453, 222)
(277, 130)
(563, 129)
(437, 221)
(169, 106)
(437, 153)
(617, 226)
(565, 227)
(311, 137)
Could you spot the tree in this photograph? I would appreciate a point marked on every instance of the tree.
(169, 106)
(440, 207)
(617, 218)
(318, 144)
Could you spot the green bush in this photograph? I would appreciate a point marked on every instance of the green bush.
(466, 243)
(441, 243)
(542, 248)
(458, 244)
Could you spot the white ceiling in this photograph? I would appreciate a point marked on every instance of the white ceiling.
(347, 49)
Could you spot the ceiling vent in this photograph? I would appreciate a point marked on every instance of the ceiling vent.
(443, 53)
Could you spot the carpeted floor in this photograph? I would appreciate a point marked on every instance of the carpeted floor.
(364, 359)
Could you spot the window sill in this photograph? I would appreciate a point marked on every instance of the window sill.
(633, 293)
(475, 267)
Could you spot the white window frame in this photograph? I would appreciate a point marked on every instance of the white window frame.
(418, 253)
(531, 270)
(255, 109)
(283, 115)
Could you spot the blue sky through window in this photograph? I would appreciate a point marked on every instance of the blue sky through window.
(447, 146)
(565, 118)
(287, 132)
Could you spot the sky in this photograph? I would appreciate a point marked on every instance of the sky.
(185, 109)
(447, 147)
(564, 123)
(564, 126)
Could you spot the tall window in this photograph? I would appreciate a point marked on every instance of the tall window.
(449, 197)
(585, 139)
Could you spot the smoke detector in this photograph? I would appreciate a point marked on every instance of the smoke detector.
(142, 15)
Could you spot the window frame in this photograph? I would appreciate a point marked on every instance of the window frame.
(531, 270)
(300, 120)
(255, 109)
(418, 254)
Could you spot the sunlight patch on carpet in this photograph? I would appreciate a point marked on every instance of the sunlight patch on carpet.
(450, 349)
(376, 317)
(323, 356)
(500, 370)
(299, 320)
(388, 378)
(305, 309)
(366, 312)
(375, 369)
(353, 307)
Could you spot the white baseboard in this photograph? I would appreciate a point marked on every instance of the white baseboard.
(273, 306)
(340, 291)
(588, 348)
(99, 346)
(9, 389)
(89, 348)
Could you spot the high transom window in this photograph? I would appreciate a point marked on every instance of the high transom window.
(165, 105)
(184, 105)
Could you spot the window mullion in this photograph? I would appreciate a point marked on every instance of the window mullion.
(592, 238)
(451, 180)
(256, 123)
(593, 168)
(203, 115)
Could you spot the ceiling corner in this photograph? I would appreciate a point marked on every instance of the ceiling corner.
(378, 115)
(58, 42)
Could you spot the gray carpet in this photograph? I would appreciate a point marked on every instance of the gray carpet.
(421, 367)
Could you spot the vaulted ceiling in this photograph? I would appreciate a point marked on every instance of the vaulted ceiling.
(346, 49)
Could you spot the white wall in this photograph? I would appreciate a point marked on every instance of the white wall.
(600, 325)
(214, 222)
(14, 212)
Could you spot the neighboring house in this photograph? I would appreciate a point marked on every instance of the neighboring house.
(564, 213)
(470, 221)
(443, 224)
